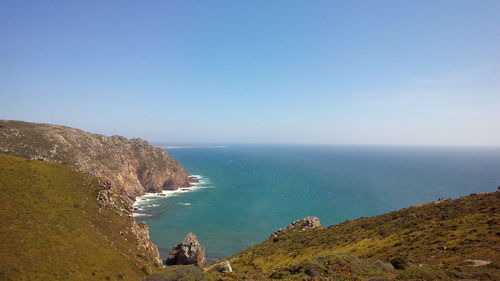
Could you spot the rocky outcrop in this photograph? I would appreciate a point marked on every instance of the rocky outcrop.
(144, 243)
(302, 224)
(131, 166)
(189, 251)
(223, 267)
(125, 168)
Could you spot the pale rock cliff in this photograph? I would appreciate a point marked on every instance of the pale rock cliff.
(132, 167)
(125, 168)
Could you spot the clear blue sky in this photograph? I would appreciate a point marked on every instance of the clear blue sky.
(341, 72)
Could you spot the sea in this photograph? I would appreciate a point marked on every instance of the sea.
(245, 192)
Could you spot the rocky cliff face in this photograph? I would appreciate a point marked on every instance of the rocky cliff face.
(132, 166)
(141, 231)
(124, 169)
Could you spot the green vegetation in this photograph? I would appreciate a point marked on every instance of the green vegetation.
(179, 273)
(131, 166)
(435, 241)
(53, 228)
(429, 242)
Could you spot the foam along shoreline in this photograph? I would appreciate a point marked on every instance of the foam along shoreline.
(148, 201)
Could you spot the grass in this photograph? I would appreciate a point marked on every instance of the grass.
(133, 166)
(434, 239)
(52, 227)
(178, 273)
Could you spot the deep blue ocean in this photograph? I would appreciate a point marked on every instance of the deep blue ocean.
(249, 191)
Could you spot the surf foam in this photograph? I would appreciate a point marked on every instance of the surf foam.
(149, 200)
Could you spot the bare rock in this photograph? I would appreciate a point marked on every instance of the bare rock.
(478, 262)
(302, 224)
(144, 243)
(189, 251)
(383, 266)
(223, 267)
(133, 166)
(125, 168)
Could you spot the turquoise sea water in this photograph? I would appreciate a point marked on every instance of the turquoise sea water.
(250, 191)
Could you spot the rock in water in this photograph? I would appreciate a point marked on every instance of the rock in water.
(189, 251)
(302, 224)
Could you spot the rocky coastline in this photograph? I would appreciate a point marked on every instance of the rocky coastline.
(125, 168)
(132, 167)
(102, 176)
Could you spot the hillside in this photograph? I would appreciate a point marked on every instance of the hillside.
(56, 227)
(133, 167)
(65, 214)
(52, 227)
(444, 240)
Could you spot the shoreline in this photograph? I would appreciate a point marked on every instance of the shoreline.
(145, 202)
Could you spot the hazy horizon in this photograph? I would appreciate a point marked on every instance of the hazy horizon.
(280, 72)
(222, 144)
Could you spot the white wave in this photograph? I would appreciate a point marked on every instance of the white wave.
(141, 215)
(184, 203)
(148, 200)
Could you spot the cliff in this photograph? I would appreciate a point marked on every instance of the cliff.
(53, 227)
(70, 219)
(56, 228)
(133, 167)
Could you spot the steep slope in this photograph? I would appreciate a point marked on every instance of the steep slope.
(444, 240)
(133, 166)
(53, 227)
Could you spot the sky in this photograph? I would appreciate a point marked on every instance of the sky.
(401, 72)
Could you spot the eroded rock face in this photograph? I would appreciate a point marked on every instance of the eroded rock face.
(189, 251)
(125, 168)
(302, 224)
(133, 167)
(141, 231)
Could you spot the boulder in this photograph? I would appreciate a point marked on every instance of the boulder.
(223, 267)
(189, 251)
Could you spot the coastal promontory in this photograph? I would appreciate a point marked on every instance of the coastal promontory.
(132, 166)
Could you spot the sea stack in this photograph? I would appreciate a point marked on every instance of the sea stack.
(189, 251)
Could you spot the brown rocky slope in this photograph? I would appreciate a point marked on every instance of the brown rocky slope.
(133, 167)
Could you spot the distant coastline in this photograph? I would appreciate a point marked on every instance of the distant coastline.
(165, 146)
